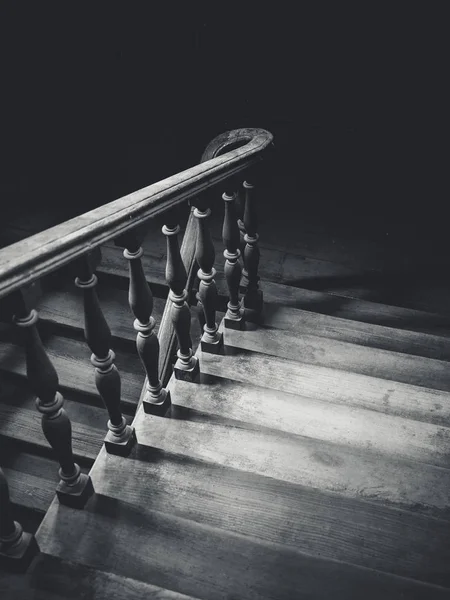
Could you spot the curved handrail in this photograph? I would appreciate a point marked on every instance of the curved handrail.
(28, 260)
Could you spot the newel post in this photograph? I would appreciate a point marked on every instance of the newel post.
(234, 317)
(75, 487)
(187, 365)
(253, 299)
(121, 437)
(157, 399)
(17, 548)
(212, 340)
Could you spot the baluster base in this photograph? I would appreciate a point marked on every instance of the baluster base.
(17, 558)
(120, 445)
(157, 406)
(187, 373)
(234, 319)
(76, 495)
(253, 306)
(212, 346)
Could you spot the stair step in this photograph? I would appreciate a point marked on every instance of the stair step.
(64, 307)
(72, 581)
(32, 480)
(71, 359)
(330, 385)
(303, 323)
(345, 356)
(216, 401)
(276, 512)
(349, 471)
(212, 563)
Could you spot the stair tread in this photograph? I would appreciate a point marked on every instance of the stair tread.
(274, 511)
(344, 356)
(330, 384)
(301, 322)
(25, 425)
(211, 563)
(351, 472)
(217, 401)
(65, 307)
(50, 574)
(32, 480)
(71, 359)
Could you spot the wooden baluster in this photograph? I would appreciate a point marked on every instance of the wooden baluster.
(120, 437)
(234, 317)
(253, 299)
(187, 365)
(157, 399)
(240, 210)
(212, 340)
(75, 487)
(17, 548)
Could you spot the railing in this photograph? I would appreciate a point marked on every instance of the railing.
(227, 160)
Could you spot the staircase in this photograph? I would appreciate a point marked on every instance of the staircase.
(308, 459)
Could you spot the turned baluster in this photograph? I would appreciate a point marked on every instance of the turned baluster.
(17, 548)
(75, 487)
(212, 340)
(234, 317)
(240, 210)
(157, 399)
(187, 365)
(253, 299)
(120, 437)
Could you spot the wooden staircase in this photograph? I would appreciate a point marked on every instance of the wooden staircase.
(310, 459)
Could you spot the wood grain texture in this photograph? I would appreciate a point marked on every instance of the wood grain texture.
(276, 512)
(217, 401)
(354, 358)
(356, 309)
(71, 359)
(211, 563)
(40, 254)
(331, 385)
(351, 472)
(300, 323)
(64, 308)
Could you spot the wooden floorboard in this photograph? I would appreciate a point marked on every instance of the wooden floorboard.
(278, 512)
(212, 563)
(330, 385)
(218, 401)
(345, 356)
(300, 323)
(348, 471)
(64, 307)
(71, 359)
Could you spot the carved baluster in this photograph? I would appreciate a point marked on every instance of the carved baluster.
(253, 299)
(234, 318)
(187, 366)
(120, 437)
(212, 340)
(157, 398)
(75, 487)
(17, 548)
(240, 210)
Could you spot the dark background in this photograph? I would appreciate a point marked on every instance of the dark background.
(101, 101)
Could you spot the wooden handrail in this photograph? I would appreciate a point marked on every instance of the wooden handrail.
(34, 257)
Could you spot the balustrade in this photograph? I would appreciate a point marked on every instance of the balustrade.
(212, 340)
(156, 399)
(75, 487)
(187, 365)
(234, 317)
(120, 437)
(17, 548)
(253, 299)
